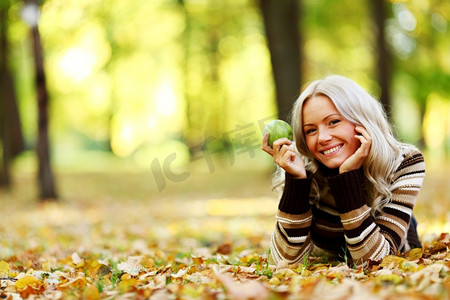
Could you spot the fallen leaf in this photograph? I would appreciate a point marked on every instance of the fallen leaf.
(29, 285)
(4, 269)
(390, 278)
(414, 254)
(409, 266)
(76, 259)
(94, 268)
(243, 291)
(132, 266)
(444, 237)
(127, 285)
(225, 248)
(91, 293)
(147, 262)
(391, 261)
(438, 247)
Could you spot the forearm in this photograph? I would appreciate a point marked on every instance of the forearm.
(373, 238)
(362, 234)
(290, 239)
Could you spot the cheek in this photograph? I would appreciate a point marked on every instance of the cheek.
(310, 143)
(354, 144)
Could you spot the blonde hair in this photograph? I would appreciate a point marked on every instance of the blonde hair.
(357, 106)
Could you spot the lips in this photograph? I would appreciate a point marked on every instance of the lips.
(332, 150)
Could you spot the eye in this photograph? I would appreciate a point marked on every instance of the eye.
(334, 122)
(310, 131)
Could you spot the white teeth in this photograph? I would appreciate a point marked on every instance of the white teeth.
(329, 151)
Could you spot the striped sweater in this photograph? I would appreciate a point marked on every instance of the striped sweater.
(340, 225)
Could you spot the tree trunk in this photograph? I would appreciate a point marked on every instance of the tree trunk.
(46, 178)
(383, 58)
(11, 136)
(281, 21)
(191, 136)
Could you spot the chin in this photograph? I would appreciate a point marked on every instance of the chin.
(332, 164)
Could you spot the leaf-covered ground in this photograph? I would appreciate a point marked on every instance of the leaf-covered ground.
(114, 236)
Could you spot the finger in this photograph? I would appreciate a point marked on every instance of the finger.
(365, 145)
(265, 138)
(265, 145)
(287, 157)
(278, 144)
(361, 131)
(362, 135)
(282, 149)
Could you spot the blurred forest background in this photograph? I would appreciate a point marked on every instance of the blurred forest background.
(167, 91)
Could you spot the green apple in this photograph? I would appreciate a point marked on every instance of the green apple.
(278, 129)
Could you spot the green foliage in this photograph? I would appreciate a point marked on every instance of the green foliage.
(115, 276)
(129, 76)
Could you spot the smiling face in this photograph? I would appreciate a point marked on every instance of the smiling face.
(329, 136)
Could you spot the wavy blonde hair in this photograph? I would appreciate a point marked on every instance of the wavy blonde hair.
(360, 108)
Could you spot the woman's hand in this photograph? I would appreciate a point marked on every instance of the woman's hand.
(284, 155)
(356, 160)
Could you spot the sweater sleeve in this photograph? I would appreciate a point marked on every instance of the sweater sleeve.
(370, 237)
(291, 240)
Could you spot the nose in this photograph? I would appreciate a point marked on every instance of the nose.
(324, 136)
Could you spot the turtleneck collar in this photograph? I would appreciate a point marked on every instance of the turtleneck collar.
(328, 172)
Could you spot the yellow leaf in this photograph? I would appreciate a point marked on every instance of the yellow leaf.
(248, 258)
(29, 285)
(391, 261)
(4, 269)
(409, 266)
(392, 278)
(26, 281)
(147, 262)
(79, 282)
(414, 254)
(125, 277)
(91, 293)
(191, 291)
(310, 281)
(198, 260)
(334, 275)
(127, 285)
(274, 281)
(191, 270)
(94, 268)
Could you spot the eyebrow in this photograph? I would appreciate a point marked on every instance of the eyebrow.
(323, 119)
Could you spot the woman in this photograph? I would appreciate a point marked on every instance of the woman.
(349, 187)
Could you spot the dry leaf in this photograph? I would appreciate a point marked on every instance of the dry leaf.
(4, 269)
(225, 248)
(391, 261)
(414, 254)
(132, 266)
(29, 285)
(444, 237)
(243, 291)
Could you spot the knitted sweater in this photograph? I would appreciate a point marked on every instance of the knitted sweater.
(340, 225)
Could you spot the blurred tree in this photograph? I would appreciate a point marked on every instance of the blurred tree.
(190, 71)
(46, 179)
(206, 108)
(186, 41)
(383, 56)
(11, 136)
(281, 21)
(419, 38)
